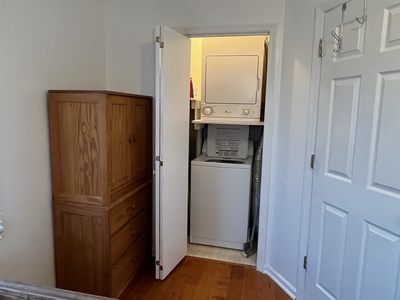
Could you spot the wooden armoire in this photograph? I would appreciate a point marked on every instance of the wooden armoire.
(101, 149)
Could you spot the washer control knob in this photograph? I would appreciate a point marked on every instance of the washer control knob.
(246, 112)
(207, 110)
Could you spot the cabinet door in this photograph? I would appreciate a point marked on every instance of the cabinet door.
(81, 247)
(78, 136)
(119, 116)
(141, 137)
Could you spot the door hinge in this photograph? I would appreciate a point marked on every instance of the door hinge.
(312, 161)
(161, 162)
(320, 48)
(305, 262)
(158, 40)
(158, 264)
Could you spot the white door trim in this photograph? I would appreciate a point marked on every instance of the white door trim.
(275, 30)
(225, 30)
(319, 20)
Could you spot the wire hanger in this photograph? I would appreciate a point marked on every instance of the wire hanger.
(339, 38)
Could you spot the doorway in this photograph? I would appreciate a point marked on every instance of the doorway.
(226, 46)
(170, 247)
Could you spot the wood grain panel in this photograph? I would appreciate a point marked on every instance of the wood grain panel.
(79, 148)
(126, 210)
(141, 133)
(120, 133)
(79, 155)
(129, 264)
(119, 194)
(80, 252)
(129, 234)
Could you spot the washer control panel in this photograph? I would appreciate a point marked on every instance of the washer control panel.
(209, 112)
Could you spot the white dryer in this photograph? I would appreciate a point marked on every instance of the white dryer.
(220, 201)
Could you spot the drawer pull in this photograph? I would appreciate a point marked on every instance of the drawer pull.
(131, 209)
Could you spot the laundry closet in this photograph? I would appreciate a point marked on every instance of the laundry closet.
(112, 177)
(227, 90)
(102, 188)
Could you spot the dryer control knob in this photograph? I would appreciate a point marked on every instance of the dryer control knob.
(246, 112)
(207, 110)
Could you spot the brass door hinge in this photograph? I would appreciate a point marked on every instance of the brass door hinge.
(320, 48)
(305, 262)
(161, 162)
(158, 264)
(158, 40)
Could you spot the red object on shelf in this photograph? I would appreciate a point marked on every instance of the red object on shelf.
(191, 88)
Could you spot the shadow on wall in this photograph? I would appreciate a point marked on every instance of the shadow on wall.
(147, 62)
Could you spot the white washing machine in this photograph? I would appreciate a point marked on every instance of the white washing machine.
(220, 201)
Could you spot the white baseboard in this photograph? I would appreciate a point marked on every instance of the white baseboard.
(281, 281)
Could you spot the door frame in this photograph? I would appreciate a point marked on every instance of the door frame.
(312, 119)
(275, 30)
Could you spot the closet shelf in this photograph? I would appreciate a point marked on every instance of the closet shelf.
(238, 122)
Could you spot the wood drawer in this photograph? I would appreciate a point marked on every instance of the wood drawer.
(129, 264)
(129, 234)
(125, 211)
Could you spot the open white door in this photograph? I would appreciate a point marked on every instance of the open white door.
(171, 148)
(354, 246)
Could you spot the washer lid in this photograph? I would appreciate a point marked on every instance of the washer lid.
(222, 162)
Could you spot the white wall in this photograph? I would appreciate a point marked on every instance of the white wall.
(291, 161)
(45, 44)
(196, 66)
(129, 31)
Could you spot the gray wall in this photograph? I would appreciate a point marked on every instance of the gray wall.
(284, 231)
(45, 44)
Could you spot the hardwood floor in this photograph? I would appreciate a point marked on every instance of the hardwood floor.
(199, 279)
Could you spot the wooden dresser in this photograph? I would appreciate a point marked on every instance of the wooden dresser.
(101, 148)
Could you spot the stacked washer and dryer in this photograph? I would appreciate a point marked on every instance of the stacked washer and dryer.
(221, 188)
(221, 176)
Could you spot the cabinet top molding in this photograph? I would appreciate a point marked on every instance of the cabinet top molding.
(100, 92)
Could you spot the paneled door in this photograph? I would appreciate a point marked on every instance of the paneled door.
(354, 245)
(171, 148)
